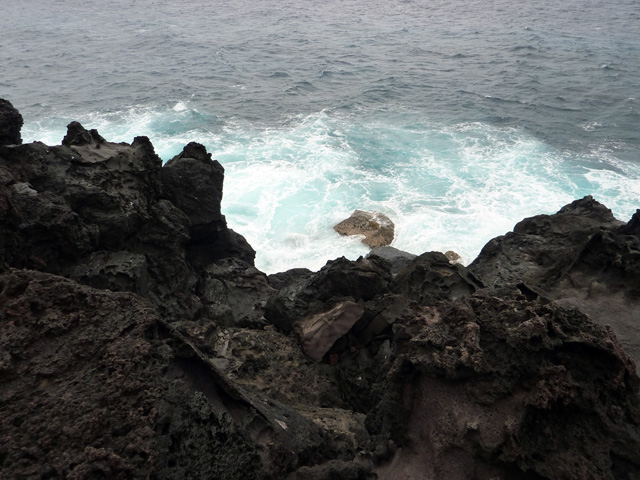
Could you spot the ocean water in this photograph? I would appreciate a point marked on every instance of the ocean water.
(457, 119)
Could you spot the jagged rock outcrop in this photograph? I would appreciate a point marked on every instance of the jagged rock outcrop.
(96, 385)
(138, 340)
(397, 258)
(10, 124)
(582, 257)
(377, 228)
(112, 216)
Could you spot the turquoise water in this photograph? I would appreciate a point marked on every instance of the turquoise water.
(456, 119)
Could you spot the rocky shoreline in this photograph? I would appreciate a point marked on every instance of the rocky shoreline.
(138, 340)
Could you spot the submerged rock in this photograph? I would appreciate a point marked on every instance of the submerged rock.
(377, 228)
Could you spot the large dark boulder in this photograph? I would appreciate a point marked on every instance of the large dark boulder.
(192, 181)
(337, 281)
(431, 277)
(10, 124)
(397, 258)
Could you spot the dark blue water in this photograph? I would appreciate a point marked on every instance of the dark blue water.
(455, 118)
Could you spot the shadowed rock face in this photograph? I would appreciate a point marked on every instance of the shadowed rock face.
(10, 124)
(137, 339)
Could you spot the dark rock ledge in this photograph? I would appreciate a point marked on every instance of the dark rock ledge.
(137, 339)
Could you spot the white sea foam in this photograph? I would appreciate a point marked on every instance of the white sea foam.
(446, 187)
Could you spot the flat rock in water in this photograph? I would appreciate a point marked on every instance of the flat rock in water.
(377, 228)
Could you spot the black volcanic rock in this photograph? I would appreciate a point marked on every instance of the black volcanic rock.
(94, 385)
(138, 340)
(507, 388)
(192, 181)
(338, 280)
(582, 257)
(397, 258)
(430, 278)
(10, 124)
(77, 135)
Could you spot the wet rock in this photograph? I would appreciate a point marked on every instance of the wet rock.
(452, 256)
(377, 228)
(10, 124)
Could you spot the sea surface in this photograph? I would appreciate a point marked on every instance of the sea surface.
(455, 118)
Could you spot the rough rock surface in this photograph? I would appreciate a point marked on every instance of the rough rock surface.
(319, 332)
(10, 124)
(581, 257)
(137, 339)
(377, 228)
(397, 258)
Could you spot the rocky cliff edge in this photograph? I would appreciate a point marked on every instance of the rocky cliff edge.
(137, 339)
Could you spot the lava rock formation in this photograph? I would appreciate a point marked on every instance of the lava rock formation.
(138, 340)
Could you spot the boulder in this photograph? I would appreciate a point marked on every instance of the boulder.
(77, 135)
(319, 332)
(452, 256)
(431, 277)
(234, 293)
(192, 181)
(377, 228)
(338, 280)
